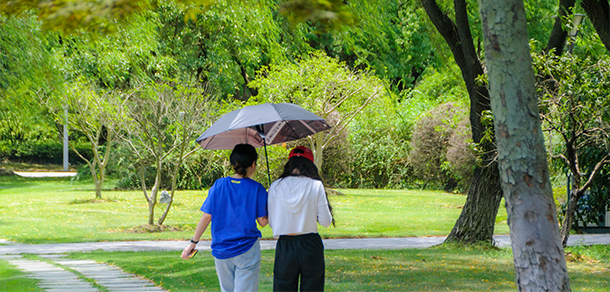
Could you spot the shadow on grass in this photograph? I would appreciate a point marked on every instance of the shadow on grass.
(93, 201)
(146, 228)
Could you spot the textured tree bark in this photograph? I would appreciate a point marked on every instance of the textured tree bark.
(477, 220)
(599, 13)
(538, 254)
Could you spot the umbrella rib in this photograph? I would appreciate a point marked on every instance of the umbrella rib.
(308, 127)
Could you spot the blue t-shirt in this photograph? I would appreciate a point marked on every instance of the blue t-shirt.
(234, 204)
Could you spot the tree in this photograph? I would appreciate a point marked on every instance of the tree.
(575, 107)
(388, 37)
(93, 113)
(28, 67)
(537, 251)
(599, 13)
(224, 45)
(477, 220)
(92, 15)
(559, 34)
(324, 86)
(162, 122)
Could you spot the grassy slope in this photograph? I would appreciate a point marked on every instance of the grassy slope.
(55, 210)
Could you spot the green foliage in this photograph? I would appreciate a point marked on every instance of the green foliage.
(224, 45)
(387, 37)
(540, 17)
(434, 159)
(327, 13)
(121, 60)
(316, 82)
(91, 15)
(374, 154)
(574, 105)
(26, 62)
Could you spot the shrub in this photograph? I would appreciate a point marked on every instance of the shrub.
(439, 154)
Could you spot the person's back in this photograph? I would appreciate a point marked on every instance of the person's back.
(297, 202)
(233, 206)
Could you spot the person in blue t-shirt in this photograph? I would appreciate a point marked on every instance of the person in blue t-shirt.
(234, 205)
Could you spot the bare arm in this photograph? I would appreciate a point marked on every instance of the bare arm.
(262, 221)
(201, 227)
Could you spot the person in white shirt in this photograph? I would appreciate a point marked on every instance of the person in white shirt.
(297, 203)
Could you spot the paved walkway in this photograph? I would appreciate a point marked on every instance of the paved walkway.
(45, 173)
(58, 273)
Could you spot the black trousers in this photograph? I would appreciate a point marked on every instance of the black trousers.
(299, 255)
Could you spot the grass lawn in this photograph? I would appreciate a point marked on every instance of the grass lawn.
(13, 280)
(432, 269)
(54, 210)
(50, 210)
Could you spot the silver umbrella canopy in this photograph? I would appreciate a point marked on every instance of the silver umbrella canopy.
(262, 125)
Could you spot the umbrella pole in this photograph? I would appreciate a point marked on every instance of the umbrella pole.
(267, 160)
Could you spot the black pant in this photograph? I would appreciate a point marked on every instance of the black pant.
(299, 255)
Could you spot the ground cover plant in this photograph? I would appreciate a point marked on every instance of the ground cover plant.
(53, 210)
(443, 268)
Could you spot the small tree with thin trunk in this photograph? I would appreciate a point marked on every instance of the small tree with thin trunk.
(163, 120)
(574, 107)
(93, 113)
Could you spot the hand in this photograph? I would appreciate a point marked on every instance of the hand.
(187, 251)
(263, 221)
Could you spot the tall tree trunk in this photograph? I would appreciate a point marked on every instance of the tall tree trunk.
(538, 254)
(599, 13)
(558, 36)
(477, 220)
(478, 217)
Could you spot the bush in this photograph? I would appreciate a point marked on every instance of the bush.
(439, 154)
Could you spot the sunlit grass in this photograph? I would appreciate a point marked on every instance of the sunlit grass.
(52, 210)
(432, 269)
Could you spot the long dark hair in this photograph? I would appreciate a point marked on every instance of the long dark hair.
(305, 168)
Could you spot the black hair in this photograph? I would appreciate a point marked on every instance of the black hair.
(242, 157)
(305, 168)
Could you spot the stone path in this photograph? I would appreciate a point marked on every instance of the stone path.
(53, 277)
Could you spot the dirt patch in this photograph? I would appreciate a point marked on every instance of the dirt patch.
(453, 206)
(92, 201)
(6, 172)
(576, 257)
(150, 229)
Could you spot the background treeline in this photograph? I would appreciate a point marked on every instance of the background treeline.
(414, 132)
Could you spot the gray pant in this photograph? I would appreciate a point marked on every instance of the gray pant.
(240, 273)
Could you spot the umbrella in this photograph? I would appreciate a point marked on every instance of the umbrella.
(262, 125)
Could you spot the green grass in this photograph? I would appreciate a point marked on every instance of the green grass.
(57, 210)
(433, 269)
(14, 280)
